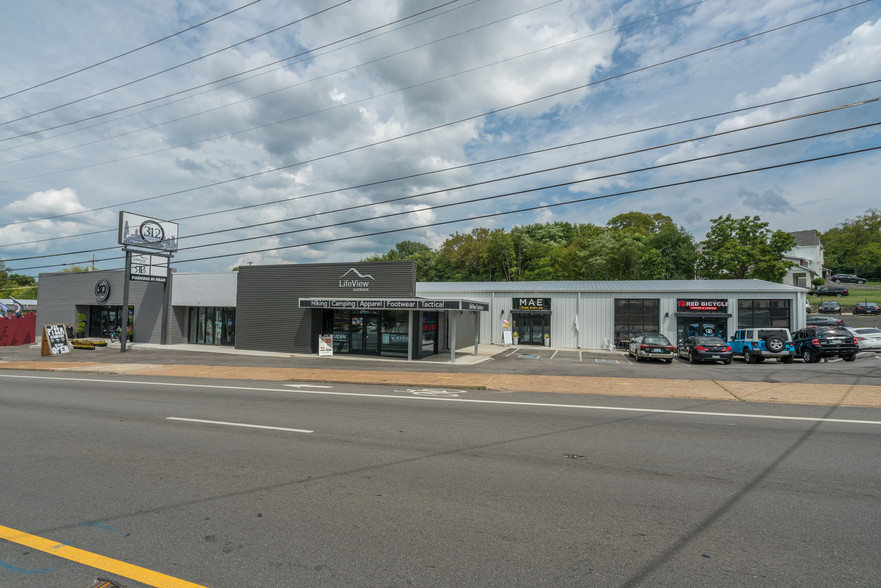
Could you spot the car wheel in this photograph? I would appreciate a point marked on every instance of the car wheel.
(850, 357)
(808, 356)
(787, 359)
(750, 358)
(692, 358)
(727, 362)
(669, 360)
(838, 294)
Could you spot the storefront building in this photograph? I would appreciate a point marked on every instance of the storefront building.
(606, 315)
(379, 309)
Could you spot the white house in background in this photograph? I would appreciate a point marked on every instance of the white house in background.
(807, 259)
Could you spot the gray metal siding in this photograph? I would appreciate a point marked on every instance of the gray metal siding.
(267, 314)
(59, 296)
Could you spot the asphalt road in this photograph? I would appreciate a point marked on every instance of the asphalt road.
(866, 370)
(377, 486)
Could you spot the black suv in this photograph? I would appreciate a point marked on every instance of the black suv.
(815, 341)
(849, 278)
(830, 291)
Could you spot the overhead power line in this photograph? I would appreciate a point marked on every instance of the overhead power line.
(172, 68)
(444, 125)
(309, 56)
(502, 213)
(496, 160)
(202, 85)
(129, 52)
(473, 200)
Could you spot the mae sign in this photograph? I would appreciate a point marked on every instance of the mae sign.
(146, 232)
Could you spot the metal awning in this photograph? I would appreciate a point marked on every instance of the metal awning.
(444, 304)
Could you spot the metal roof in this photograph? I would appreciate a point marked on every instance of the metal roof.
(618, 287)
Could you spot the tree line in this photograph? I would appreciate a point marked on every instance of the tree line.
(636, 246)
(631, 246)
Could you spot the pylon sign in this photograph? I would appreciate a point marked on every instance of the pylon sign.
(148, 233)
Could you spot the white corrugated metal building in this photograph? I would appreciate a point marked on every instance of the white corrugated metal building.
(597, 315)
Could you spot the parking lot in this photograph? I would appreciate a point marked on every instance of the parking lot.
(866, 370)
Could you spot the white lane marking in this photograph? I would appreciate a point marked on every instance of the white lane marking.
(238, 425)
(462, 400)
(307, 386)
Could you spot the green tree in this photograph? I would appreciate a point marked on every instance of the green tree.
(17, 286)
(854, 246)
(668, 252)
(744, 248)
(421, 253)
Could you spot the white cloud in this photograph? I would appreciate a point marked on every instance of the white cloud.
(410, 99)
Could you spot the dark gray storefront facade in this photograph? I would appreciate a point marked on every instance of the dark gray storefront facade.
(98, 296)
(364, 308)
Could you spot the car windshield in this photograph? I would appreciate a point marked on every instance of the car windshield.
(867, 331)
(709, 341)
(656, 340)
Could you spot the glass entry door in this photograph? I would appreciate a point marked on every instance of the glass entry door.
(365, 332)
(706, 326)
(532, 328)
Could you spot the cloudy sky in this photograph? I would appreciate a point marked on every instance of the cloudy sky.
(328, 130)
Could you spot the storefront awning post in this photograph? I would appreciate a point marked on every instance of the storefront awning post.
(410, 337)
(453, 319)
(476, 331)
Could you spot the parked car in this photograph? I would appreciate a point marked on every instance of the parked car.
(756, 345)
(699, 349)
(814, 342)
(825, 320)
(807, 307)
(868, 338)
(867, 308)
(830, 307)
(830, 291)
(651, 346)
(848, 278)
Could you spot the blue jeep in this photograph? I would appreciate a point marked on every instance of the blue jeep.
(756, 344)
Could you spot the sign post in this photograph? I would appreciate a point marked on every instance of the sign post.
(158, 236)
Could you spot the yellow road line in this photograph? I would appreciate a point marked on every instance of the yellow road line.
(93, 560)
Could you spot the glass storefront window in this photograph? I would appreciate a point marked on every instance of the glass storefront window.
(429, 333)
(763, 313)
(103, 319)
(634, 316)
(395, 332)
(212, 326)
(368, 332)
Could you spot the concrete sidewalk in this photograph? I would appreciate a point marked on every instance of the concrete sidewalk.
(447, 378)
